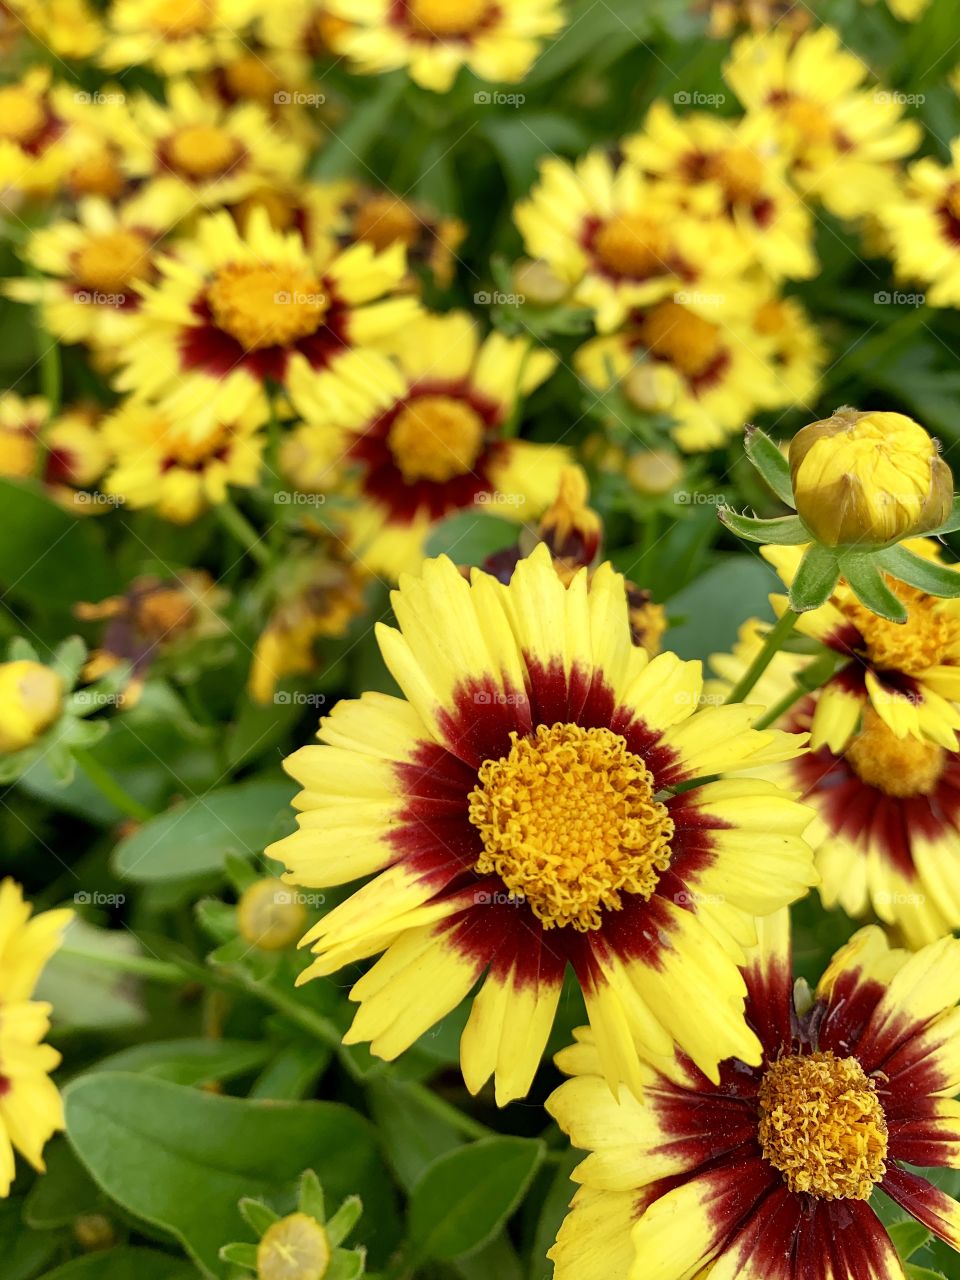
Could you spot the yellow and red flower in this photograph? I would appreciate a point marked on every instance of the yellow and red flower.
(771, 1173)
(174, 36)
(922, 224)
(527, 705)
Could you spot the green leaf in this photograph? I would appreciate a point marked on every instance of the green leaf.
(908, 1236)
(241, 1255)
(182, 1159)
(466, 1195)
(257, 729)
(292, 1073)
(469, 537)
(47, 556)
(196, 836)
(81, 982)
(715, 604)
(770, 462)
(552, 1213)
(24, 1252)
(815, 579)
(189, 1062)
(413, 1137)
(521, 138)
(863, 574)
(785, 531)
(927, 575)
(347, 147)
(125, 1264)
(922, 1273)
(65, 1190)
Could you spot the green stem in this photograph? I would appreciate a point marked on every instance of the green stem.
(108, 786)
(138, 966)
(240, 528)
(775, 638)
(773, 714)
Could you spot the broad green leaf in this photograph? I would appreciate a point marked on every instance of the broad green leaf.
(23, 1252)
(84, 980)
(469, 537)
(196, 836)
(466, 1195)
(189, 1062)
(770, 462)
(48, 556)
(182, 1159)
(291, 1073)
(413, 1138)
(715, 604)
(495, 1258)
(125, 1264)
(257, 729)
(908, 1236)
(815, 579)
(363, 125)
(522, 138)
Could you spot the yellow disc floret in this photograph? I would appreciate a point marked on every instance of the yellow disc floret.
(896, 766)
(295, 1248)
(739, 171)
(928, 636)
(203, 150)
(631, 245)
(679, 335)
(822, 1126)
(448, 18)
(270, 915)
(436, 438)
(569, 822)
(266, 305)
(111, 259)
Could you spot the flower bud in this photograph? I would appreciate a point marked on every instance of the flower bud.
(570, 528)
(270, 915)
(654, 472)
(868, 479)
(293, 1248)
(538, 284)
(652, 388)
(30, 699)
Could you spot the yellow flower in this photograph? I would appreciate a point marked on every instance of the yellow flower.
(96, 260)
(322, 594)
(886, 810)
(33, 161)
(27, 942)
(162, 463)
(843, 137)
(739, 167)
(922, 222)
(175, 36)
(621, 241)
(534, 740)
(868, 479)
(770, 1174)
(195, 151)
(69, 28)
(433, 39)
(232, 311)
(31, 696)
(684, 358)
(909, 673)
(436, 442)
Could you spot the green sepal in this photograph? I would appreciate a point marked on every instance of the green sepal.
(862, 572)
(784, 531)
(241, 1255)
(257, 1215)
(770, 462)
(815, 579)
(345, 1219)
(311, 1201)
(950, 525)
(345, 1265)
(927, 575)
